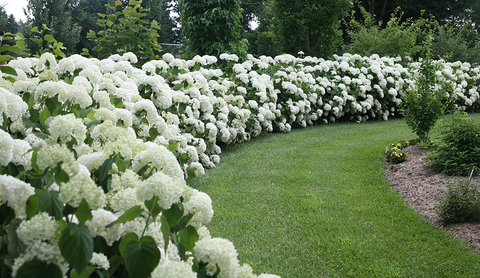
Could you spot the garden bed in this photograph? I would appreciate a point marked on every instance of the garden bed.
(420, 187)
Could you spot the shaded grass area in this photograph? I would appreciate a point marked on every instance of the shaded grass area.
(314, 203)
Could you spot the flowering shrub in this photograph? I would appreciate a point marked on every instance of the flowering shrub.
(395, 154)
(94, 153)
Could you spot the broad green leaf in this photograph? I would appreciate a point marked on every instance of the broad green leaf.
(121, 164)
(153, 208)
(32, 206)
(105, 168)
(188, 237)
(84, 274)
(49, 202)
(153, 132)
(128, 215)
(172, 147)
(93, 123)
(5, 58)
(165, 231)
(191, 172)
(37, 269)
(83, 212)
(61, 176)
(76, 245)
(141, 258)
(14, 49)
(52, 105)
(174, 214)
(49, 38)
(44, 116)
(8, 70)
(7, 214)
(125, 241)
(15, 245)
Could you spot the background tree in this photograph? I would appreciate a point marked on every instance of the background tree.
(85, 15)
(309, 26)
(161, 11)
(7, 22)
(57, 16)
(261, 41)
(212, 27)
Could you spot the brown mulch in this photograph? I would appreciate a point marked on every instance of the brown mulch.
(420, 187)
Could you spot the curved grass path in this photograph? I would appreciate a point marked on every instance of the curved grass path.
(314, 203)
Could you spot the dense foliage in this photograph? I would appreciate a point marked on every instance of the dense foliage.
(309, 26)
(396, 38)
(212, 27)
(97, 151)
(125, 31)
(458, 149)
(461, 203)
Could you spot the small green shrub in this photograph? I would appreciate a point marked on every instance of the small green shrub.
(458, 149)
(424, 106)
(461, 203)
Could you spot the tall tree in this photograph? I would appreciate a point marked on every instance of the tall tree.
(212, 27)
(159, 10)
(85, 15)
(311, 26)
(7, 22)
(56, 15)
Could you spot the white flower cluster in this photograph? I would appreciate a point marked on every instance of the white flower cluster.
(156, 125)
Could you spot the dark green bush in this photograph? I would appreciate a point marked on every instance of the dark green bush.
(461, 203)
(458, 149)
(398, 38)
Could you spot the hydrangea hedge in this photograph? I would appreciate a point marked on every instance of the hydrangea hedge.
(94, 154)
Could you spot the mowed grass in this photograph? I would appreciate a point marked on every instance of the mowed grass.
(314, 203)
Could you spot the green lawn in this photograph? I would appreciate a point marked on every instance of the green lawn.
(314, 203)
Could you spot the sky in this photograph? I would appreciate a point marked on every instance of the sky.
(15, 7)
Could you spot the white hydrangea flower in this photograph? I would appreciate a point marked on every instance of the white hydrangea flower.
(127, 179)
(40, 227)
(21, 155)
(81, 186)
(6, 148)
(123, 199)
(173, 269)
(40, 235)
(159, 158)
(98, 226)
(167, 189)
(112, 139)
(104, 114)
(14, 193)
(66, 127)
(49, 89)
(103, 99)
(199, 170)
(76, 94)
(34, 141)
(218, 252)
(11, 105)
(49, 156)
(200, 205)
(92, 161)
(42, 62)
(100, 261)
(246, 271)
